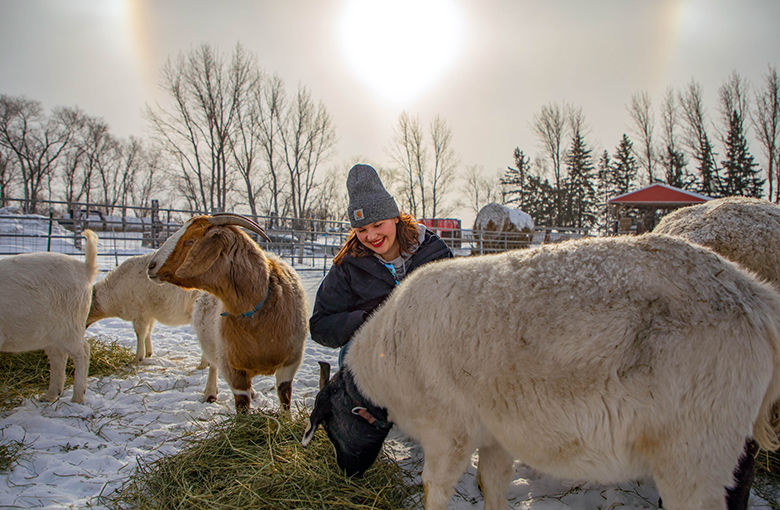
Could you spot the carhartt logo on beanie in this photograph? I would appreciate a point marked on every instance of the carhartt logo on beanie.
(369, 201)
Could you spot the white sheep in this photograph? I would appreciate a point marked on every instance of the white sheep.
(253, 318)
(44, 302)
(126, 292)
(602, 359)
(746, 231)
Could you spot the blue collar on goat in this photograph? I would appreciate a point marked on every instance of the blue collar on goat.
(356, 427)
(252, 312)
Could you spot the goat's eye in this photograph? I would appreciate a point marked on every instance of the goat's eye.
(189, 242)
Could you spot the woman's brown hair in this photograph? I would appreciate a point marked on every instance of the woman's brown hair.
(406, 235)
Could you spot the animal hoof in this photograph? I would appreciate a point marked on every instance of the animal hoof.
(242, 404)
(211, 399)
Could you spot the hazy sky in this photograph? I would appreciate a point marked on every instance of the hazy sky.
(485, 66)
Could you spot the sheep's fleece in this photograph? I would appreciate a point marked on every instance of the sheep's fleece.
(600, 359)
(744, 230)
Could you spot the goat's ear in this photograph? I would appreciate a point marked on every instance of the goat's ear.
(324, 373)
(321, 412)
(202, 255)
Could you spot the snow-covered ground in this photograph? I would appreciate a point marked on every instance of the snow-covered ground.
(78, 451)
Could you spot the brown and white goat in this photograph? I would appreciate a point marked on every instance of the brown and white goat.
(252, 320)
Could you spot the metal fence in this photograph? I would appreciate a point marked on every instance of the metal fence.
(307, 244)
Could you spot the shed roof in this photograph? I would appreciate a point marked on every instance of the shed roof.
(660, 196)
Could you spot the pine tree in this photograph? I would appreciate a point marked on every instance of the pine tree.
(708, 171)
(541, 200)
(624, 168)
(741, 177)
(530, 192)
(580, 204)
(674, 165)
(604, 190)
(515, 180)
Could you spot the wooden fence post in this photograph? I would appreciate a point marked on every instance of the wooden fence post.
(155, 225)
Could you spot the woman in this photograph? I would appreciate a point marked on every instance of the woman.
(383, 246)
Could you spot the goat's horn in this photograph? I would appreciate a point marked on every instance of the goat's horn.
(324, 373)
(239, 221)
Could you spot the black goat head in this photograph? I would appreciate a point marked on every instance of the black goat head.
(355, 426)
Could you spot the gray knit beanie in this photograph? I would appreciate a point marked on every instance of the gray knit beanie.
(369, 201)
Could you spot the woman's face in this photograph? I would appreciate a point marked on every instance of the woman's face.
(380, 238)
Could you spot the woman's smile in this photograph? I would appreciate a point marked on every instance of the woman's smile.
(380, 237)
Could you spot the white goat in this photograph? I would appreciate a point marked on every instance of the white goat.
(254, 319)
(600, 359)
(44, 302)
(127, 293)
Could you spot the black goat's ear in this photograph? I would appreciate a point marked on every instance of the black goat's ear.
(324, 373)
(320, 413)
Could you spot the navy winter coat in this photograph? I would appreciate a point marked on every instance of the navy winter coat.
(353, 289)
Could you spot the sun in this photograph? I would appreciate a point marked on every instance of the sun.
(401, 47)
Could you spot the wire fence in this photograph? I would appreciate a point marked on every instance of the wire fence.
(308, 244)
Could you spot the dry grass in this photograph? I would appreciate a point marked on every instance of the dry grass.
(767, 483)
(25, 375)
(257, 461)
(10, 453)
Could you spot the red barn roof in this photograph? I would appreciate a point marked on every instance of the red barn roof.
(660, 196)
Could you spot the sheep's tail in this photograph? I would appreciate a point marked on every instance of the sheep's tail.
(765, 429)
(90, 254)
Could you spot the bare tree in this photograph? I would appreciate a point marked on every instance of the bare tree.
(577, 123)
(408, 152)
(766, 120)
(479, 190)
(740, 173)
(103, 158)
(733, 97)
(8, 175)
(129, 169)
(149, 183)
(669, 119)
(271, 102)
(331, 199)
(97, 166)
(426, 183)
(697, 140)
(671, 157)
(206, 93)
(36, 141)
(74, 174)
(641, 111)
(308, 139)
(445, 162)
(549, 125)
(246, 146)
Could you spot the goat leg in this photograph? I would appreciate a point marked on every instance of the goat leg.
(738, 495)
(241, 384)
(284, 390)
